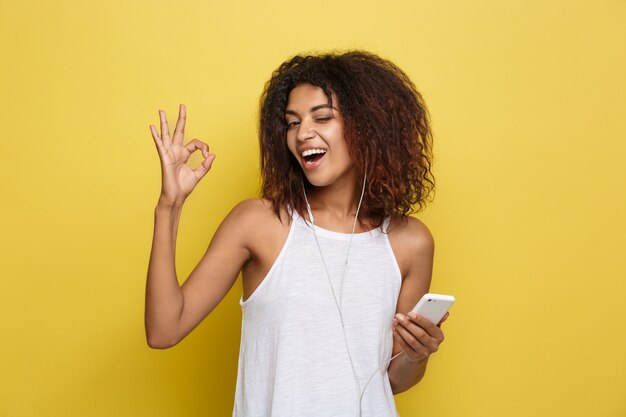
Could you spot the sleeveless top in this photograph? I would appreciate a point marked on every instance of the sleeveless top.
(293, 359)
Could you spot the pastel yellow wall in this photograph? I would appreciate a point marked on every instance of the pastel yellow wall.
(528, 104)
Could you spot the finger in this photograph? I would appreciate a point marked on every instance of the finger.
(158, 143)
(155, 136)
(411, 346)
(419, 334)
(197, 144)
(179, 130)
(411, 323)
(404, 347)
(426, 324)
(165, 132)
(204, 167)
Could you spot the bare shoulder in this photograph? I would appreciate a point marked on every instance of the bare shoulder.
(257, 217)
(411, 232)
(255, 210)
(411, 240)
(249, 207)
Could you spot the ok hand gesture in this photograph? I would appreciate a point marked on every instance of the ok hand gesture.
(178, 179)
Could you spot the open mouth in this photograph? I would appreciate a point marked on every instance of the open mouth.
(312, 158)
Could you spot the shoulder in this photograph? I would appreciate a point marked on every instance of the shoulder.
(412, 242)
(257, 227)
(249, 208)
(412, 234)
(256, 215)
(255, 209)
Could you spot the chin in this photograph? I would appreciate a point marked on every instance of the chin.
(321, 180)
(325, 176)
(315, 179)
(318, 182)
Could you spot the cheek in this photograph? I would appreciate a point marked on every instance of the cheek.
(344, 152)
(292, 152)
(291, 143)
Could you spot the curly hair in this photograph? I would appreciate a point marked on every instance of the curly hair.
(386, 128)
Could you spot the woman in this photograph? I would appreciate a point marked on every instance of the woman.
(341, 135)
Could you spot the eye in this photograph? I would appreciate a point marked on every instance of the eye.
(322, 119)
(291, 124)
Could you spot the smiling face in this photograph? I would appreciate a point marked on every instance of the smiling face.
(315, 128)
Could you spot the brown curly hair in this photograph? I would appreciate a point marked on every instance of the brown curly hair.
(386, 127)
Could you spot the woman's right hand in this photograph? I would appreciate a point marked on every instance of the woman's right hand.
(178, 179)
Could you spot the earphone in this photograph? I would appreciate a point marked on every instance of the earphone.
(311, 219)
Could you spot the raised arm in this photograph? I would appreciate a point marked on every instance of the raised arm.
(171, 312)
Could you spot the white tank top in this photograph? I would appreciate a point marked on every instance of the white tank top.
(292, 358)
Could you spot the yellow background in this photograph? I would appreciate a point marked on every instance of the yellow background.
(528, 105)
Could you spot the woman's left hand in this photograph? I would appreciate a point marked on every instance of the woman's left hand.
(418, 337)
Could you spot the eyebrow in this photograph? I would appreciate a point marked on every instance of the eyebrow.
(314, 108)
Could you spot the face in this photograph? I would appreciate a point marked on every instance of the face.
(316, 128)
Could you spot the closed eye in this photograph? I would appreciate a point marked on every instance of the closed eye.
(319, 120)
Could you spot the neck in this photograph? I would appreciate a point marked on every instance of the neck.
(338, 201)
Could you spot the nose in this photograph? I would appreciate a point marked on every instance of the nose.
(305, 131)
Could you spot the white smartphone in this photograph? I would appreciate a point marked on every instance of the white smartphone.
(434, 306)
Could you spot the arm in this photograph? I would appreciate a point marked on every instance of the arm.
(416, 244)
(164, 299)
(406, 373)
(172, 312)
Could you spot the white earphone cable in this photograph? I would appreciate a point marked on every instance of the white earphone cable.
(311, 219)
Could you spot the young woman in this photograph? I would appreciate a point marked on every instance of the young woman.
(331, 261)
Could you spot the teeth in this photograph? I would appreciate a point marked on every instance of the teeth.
(312, 151)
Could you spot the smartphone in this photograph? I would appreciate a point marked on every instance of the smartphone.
(434, 306)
